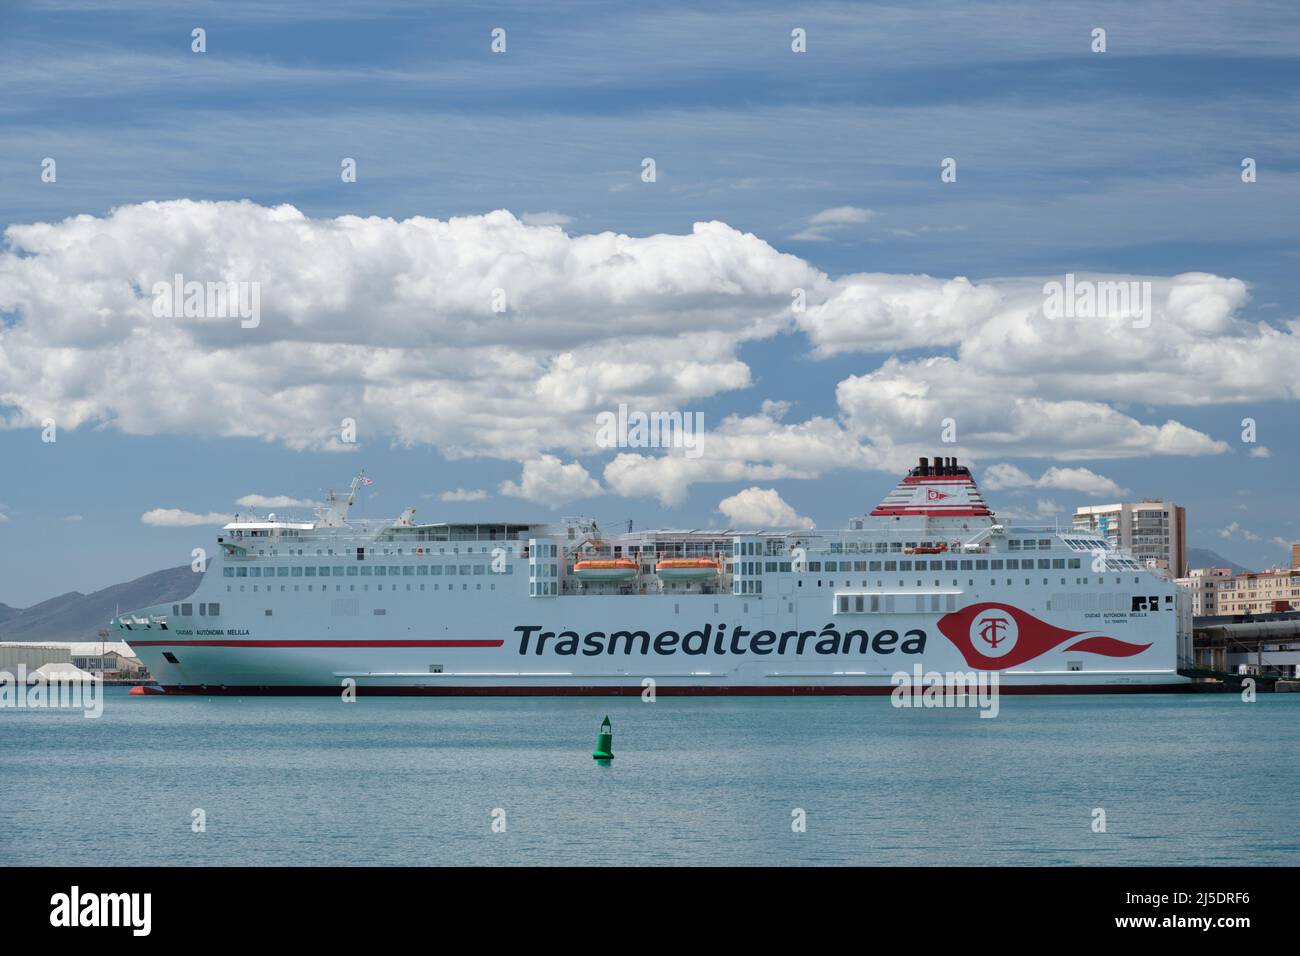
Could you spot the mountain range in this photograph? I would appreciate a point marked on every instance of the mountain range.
(1205, 558)
(78, 617)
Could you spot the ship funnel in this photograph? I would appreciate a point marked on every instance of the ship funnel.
(924, 466)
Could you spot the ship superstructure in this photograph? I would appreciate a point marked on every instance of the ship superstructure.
(929, 577)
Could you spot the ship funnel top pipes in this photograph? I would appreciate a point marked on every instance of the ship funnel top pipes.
(937, 495)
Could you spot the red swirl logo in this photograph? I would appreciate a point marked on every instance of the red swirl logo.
(996, 636)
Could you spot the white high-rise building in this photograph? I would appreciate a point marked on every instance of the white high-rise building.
(1154, 531)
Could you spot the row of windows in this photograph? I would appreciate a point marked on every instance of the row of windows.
(876, 603)
(1029, 544)
(982, 564)
(1085, 544)
(362, 553)
(970, 582)
(205, 610)
(352, 587)
(355, 570)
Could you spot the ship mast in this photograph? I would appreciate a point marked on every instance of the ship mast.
(335, 512)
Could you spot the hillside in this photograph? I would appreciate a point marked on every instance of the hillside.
(76, 617)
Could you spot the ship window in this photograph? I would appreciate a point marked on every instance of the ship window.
(187, 610)
(338, 570)
(176, 610)
(981, 565)
(268, 612)
(214, 609)
(814, 565)
(352, 570)
(480, 569)
(282, 572)
(295, 572)
(1058, 563)
(902, 566)
(965, 566)
(423, 570)
(203, 610)
(435, 569)
(891, 565)
(873, 565)
(380, 612)
(1044, 564)
(464, 569)
(311, 571)
(1074, 563)
(324, 572)
(1013, 544)
(844, 604)
(1044, 544)
(228, 572)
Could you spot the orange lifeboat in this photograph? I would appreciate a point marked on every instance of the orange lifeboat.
(922, 550)
(687, 569)
(605, 569)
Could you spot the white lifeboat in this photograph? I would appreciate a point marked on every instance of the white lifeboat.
(605, 569)
(687, 569)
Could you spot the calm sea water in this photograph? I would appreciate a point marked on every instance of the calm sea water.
(1183, 780)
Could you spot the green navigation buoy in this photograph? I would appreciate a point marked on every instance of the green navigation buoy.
(605, 742)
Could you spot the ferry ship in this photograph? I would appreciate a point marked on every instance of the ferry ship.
(929, 577)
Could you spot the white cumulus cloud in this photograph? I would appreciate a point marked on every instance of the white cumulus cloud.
(549, 481)
(1000, 476)
(392, 324)
(275, 501)
(463, 494)
(176, 518)
(761, 508)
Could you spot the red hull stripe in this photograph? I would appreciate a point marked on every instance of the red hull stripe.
(860, 690)
(466, 643)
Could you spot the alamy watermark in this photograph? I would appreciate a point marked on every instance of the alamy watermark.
(1091, 299)
(180, 299)
(624, 429)
(37, 691)
(925, 689)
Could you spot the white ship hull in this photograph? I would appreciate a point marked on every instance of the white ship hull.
(441, 656)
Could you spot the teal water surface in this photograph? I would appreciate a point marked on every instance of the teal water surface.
(1201, 779)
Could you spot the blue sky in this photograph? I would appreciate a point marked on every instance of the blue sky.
(1126, 162)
